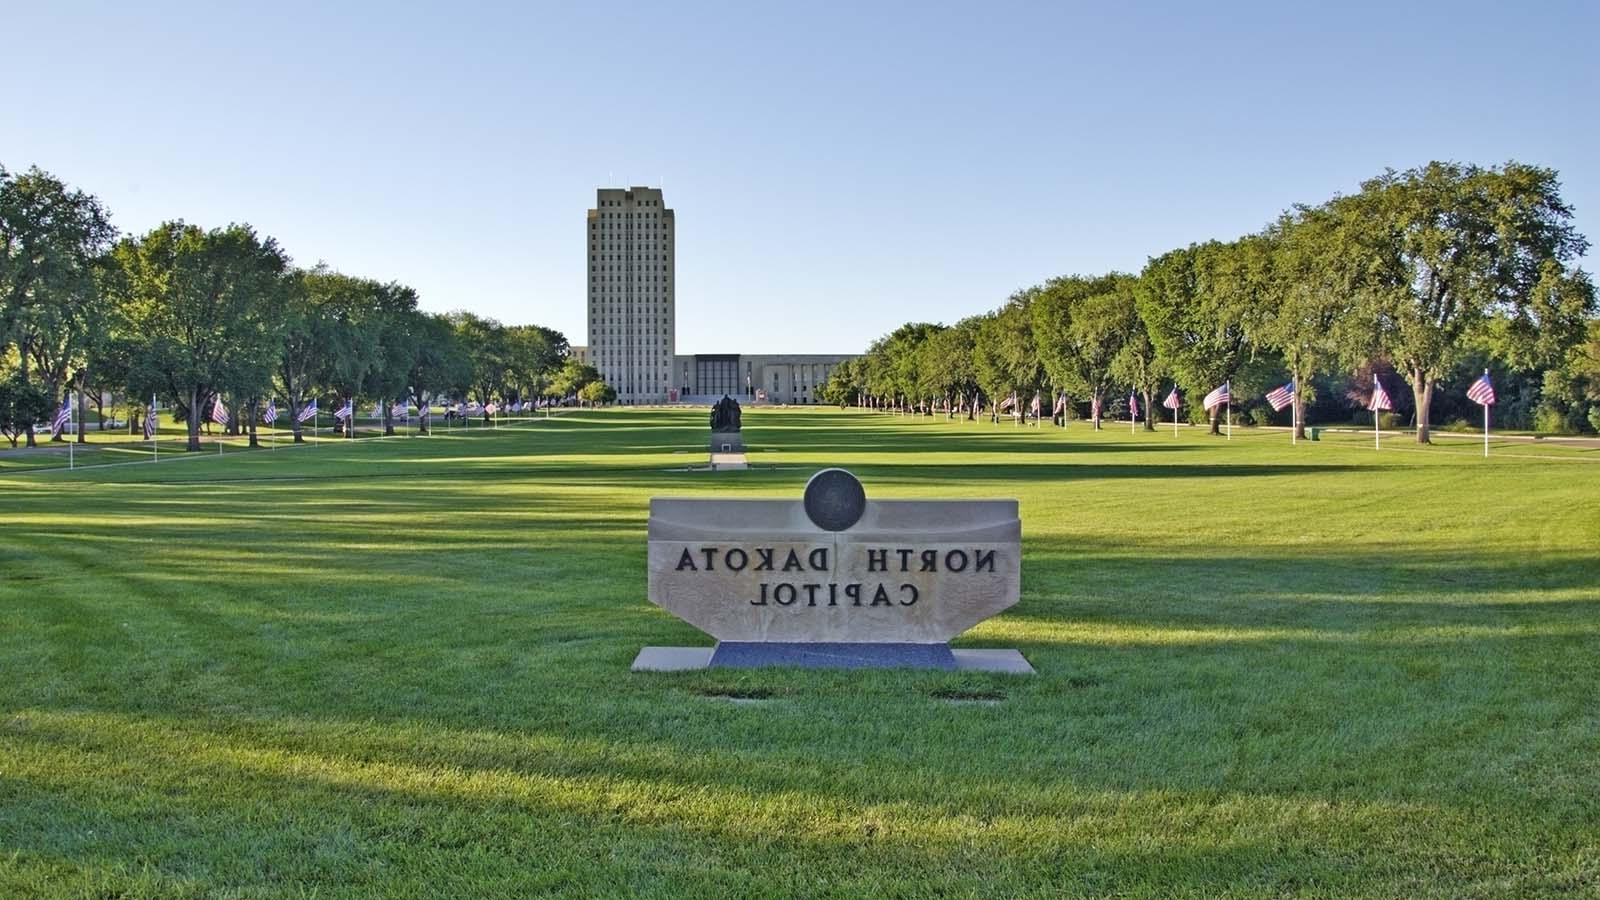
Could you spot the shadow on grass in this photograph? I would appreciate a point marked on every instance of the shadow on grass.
(356, 661)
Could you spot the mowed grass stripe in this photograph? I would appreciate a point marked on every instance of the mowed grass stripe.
(400, 668)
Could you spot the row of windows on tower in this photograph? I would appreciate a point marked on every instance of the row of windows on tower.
(640, 202)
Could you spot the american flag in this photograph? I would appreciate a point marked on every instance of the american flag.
(270, 414)
(1061, 405)
(63, 416)
(1281, 397)
(1218, 397)
(219, 412)
(474, 408)
(1133, 407)
(399, 410)
(1008, 402)
(1035, 408)
(1482, 390)
(150, 422)
(308, 412)
(1094, 408)
(377, 411)
(345, 411)
(1380, 397)
(1172, 400)
(491, 408)
(516, 406)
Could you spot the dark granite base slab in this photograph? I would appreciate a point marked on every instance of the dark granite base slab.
(818, 655)
(694, 659)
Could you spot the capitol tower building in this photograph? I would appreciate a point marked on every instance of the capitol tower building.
(632, 331)
(632, 322)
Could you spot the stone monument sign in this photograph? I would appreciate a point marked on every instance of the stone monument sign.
(834, 579)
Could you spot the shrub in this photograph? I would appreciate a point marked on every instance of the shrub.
(1549, 420)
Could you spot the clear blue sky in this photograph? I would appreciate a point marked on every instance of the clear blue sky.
(835, 171)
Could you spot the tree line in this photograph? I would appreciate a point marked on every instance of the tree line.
(1427, 277)
(191, 315)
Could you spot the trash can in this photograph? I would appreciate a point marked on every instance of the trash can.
(1316, 434)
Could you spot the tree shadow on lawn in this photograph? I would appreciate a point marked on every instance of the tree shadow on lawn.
(1286, 745)
(397, 804)
(462, 483)
(1276, 688)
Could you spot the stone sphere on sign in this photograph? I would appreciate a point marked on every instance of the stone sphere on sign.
(834, 499)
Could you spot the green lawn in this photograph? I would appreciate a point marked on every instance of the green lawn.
(400, 667)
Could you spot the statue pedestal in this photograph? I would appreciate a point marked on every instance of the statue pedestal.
(726, 442)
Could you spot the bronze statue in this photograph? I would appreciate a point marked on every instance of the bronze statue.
(725, 415)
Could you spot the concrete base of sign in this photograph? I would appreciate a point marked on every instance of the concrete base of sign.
(1006, 662)
(720, 461)
(740, 654)
(727, 442)
(831, 655)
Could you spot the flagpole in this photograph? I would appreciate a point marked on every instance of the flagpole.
(1377, 436)
(74, 440)
(1230, 416)
(155, 433)
(1486, 431)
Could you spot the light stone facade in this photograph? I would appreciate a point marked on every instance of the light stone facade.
(793, 378)
(632, 318)
(632, 280)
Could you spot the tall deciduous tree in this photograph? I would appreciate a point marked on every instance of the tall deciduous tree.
(1447, 248)
(440, 365)
(392, 318)
(570, 379)
(1196, 302)
(1006, 355)
(947, 365)
(1310, 318)
(484, 341)
(533, 355)
(1081, 325)
(349, 315)
(53, 241)
(304, 344)
(200, 310)
(21, 405)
